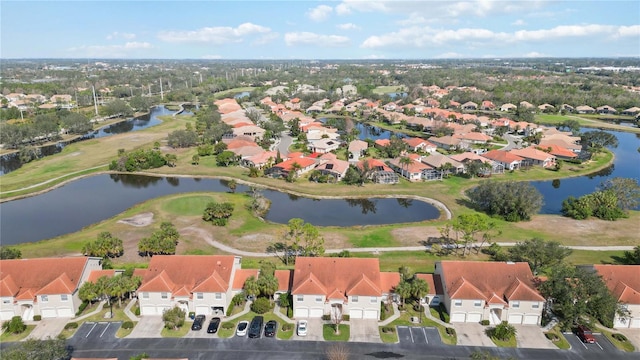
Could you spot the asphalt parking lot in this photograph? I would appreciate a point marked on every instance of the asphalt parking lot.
(418, 335)
(602, 345)
(95, 331)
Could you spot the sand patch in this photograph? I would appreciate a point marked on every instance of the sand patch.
(415, 235)
(140, 220)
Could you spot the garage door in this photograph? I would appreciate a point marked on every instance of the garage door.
(301, 313)
(149, 310)
(49, 313)
(316, 313)
(355, 314)
(457, 317)
(531, 319)
(515, 319)
(65, 312)
(474, 317)
(371, 314)
(6, 315)
(202, 310)
(635, 323)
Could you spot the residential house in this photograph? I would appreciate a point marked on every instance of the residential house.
(496, 291)
(282, 169)
(435, 294)
(567, 108)
(285, 281)
(533, 157)
(439, 161)
(605, 109)
(195, 283)
(584, 109)
(379, 172)
(228, 105)
(414, 171)
(260, 160)
(623, 282)
(632, 111)
(418, 144)
(447, 142)
(469, 106)
(335, 168)
(324, 146)
(555, 143)
(546, 107)
(558, 151)
(252, 131)
(381, 143)
(487, 105)
(467, 157)
(526, 105)
(508, 160)
(356, 149)
(473, 137)
(508, 107)
(46, 286)
(336, 286)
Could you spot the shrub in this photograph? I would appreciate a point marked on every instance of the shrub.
(82, 307)
(14, 326)
(484, 322)
(127, 325)
(37, 317)
(71, 325)
(552, 336)
(238, 299)
(451, 331)
(326, 317)
(383, 311)
(192, 315)
(261, 305)
(619, 337)
(388, 329)
(137, 311)
(228, 325)
(173, 318)
(290, 313)
(287, 327)
(345, 317)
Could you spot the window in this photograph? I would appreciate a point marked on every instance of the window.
(477, 303)
(218, 296)
(44, 298)
(515, 304)
(374, 299)
(354, 298)
(319, 299)
(199, 296)
(457, 303)
(145, 295)
(300, 298)
(535, 305)
(165, 295)
(64, 297)
(6, 301)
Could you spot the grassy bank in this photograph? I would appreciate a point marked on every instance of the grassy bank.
(591, 121)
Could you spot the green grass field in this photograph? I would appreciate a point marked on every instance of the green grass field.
(381, 90)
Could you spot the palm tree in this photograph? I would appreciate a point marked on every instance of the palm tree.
(295, 167)
(405, 162)
(251, 287)
(403, 290)
(268, 285)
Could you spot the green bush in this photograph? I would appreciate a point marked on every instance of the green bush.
(290, 312)
(81, 308)
(14, 326)
(451, 331)
(137, 311)
(552, 336)
(484, 322)
(173, 318)
(383, 311)
(388, 329)
(261, 305)
(238, 299)
(287, 327)
(127, 325)
(345, 317)
(326, 317)
(619, 337)
(228, 325)
(71, 325)
(37, 317)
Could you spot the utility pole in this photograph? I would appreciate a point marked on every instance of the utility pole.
(95, 103)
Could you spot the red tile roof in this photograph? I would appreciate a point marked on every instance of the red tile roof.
(25, 278)
(558, 150)
(388, 281)
(287, 165)
(242, 275)
(285, 279)
(97, 274)
(336, 277)
(414, 142)
(502, 156)
(622, 280)
(434, 282)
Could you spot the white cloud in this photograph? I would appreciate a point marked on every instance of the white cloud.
(343, 9)
(348, 26)
(308, 38)
(320, 13)
(633, 30)
(374, 57)
(519, 22)
(450, 55)
(218, 35)
(534, 54)
(111, 51)
(211, 57)
(116, 35)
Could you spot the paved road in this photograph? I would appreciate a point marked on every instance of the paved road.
(511, 142)
(285, 141)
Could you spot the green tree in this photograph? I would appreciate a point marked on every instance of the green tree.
(403, 290)
(632, 257)
(232, 185)
(14, 326)
(597, 140)
(195, 159)
(106, 245)
(251, 287)
(89, 292)
(173, 318)
(513, 201)
(163, 241)
(469, 226)
(182, 139)
(540, 254)
(226, 158)
(268, 285)
(503, 331)
(626, 190)
(218, 213)
(117, 107)
(9, 253)
(32, 349)
(284, 300)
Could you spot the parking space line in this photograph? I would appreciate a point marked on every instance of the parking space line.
(597, 343)
(105, 329)
(580, 341)
(425, 335)
(411, 333)
(93, 327)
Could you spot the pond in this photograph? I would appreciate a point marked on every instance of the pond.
(90, 200)
(11, 162)
(366, 131)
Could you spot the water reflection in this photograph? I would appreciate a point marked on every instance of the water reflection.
(366, 205)
(555, 183)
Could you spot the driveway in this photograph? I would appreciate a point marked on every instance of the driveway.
(364, 330)
(314, 331)
(633, 335)
(285, 141)
(529, 336)
(472, 334)
(48, 328)
(147, 327)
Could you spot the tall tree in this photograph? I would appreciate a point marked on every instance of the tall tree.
(540, 254)
(513, 201)
(626, 190)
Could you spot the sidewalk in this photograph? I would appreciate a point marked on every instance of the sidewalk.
(95, 311)
(127, 310)
(247, 308)
(276, 312)
(396, 315)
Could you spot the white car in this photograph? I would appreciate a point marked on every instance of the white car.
(302, 328)
(243, 326)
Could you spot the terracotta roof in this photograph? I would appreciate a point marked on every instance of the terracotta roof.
(242, 275)
(414, 142)
(382, 142)
(434, 282)
(414, 167)
(295, 155)
(336, 166)
(328, 276)
(287, 165)
(40, 276)
(202, 273)
(622, 280)
(502, 156)
(97, 274)
(388, 281)
(226, 106)
(532, 153)
(437, 160)
(466, 156)
(238, 143)
(358, 145)
(374, 164)
(285, 279)
(558, 150)
(485, 280)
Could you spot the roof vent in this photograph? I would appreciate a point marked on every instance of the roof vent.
(510, 263)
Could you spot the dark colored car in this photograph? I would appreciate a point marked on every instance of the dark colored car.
(585, 334)
(255, 328)
(197, 322)
(214, 323)
(271, 328)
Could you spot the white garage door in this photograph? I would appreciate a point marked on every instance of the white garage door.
(457, 317)
(371, 314)
(531, 319)
(65, 312)
(49, 313)
(515, 319)
(316, 313)
(474, 317)
(635, 323)
(301, 313)
(355, 314)
(202, 310)
(149, 310)
(6, 314)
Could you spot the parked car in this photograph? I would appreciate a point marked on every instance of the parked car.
(197, 322)
(585, 334)
(214, 323)
(302, 328)
(255, 328)
(271, 328)
(242, 328)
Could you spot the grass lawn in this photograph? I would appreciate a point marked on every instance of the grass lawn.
(555, 335)
(439, 312)
(329, 332)
(508, 343)
(405, 320)
(122, 333)
(8, 337)
(390, 337)
(178, 333)
(188, 205)
(283, 334)
(225, 93)
(622, 345)
(381, 90)
(227, 333)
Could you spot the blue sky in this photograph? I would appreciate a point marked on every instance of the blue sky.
(349, 29)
